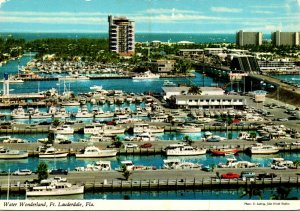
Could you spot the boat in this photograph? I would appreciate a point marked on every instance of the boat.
(281, 162)
(102, 114)
(142, 137)
(64, 129)
(73, 78)
(97, 166)
(11, 140)
(233, 163)
(95, 152)
(177, 164)
(259, 148)
(94, 128)
(188, 129)
(168, 83)
(51, 152)
(83, 113)
(36, 114)
(96, 88)
(6, 153)
(185, 150)
(14, 80)
(54, 188)
(70, 103)
(110, 129)
(224, 151)
(142, 128)
(128, 164)
(146, 76)
(61, 113)
(19, 113)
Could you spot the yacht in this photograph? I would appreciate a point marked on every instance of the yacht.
(142, 127)
(61, 113)
(263, 149)
(128, 164)
(185, 150)
(145, 76)
(51, 152)
(19, 113)
(11, 140)
(188, 129)
(6, 153)
(94, 128)
(84, 113)
(98, 166)
(95, 152)
(64, 129)
(96, 88)
(102, 114)
(142, 137)
(177, 164)
(70, 103)
(224, 151)
(233, 163)
(54, 188)
(36, 114)
(110, 129)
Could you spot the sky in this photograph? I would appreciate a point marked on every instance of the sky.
(150, 16)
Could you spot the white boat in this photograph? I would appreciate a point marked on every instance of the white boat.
(54, 188)
(94, 128)
(110, 129)
(11, 140)
(263, 149)
(64, 129)
(142, 137)
(177, 164)
(185, 150)
(6, 153)
(61, 113)
(84, 113)
(96, 88)
(70, 103)
(74, 78)
(281, 162)
(188, 129)
(128, 164)
(98, 166)
(36, 114)
(168, 83)
(102, 114)
(233, 163)
(51, 152)
(19, 113)
(147, 75)
(95, 152)
(142, 127)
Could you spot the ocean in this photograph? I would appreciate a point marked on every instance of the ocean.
(140, 37)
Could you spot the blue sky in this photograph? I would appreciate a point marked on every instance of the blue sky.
(175, 16)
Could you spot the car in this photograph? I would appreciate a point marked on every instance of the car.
(283, 119)
(296, 143)
(266, 175)
(146, 145)
(22, 172)
(65, 142)
(59, 171)
(218, 124)
(34, 181)
(279, 167)
(131, 146)
(230, 175)
(282, 144)
(248, 174)
(3, 173)
(206, 168)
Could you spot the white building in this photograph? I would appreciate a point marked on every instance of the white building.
(211, 91)
(210, 101)
(173, 91)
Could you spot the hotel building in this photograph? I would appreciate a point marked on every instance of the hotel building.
(121, 35)
(285, 38)
(248, 38)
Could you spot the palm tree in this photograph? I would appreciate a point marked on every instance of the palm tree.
(42, 171)
(195, 90)
(188, 140)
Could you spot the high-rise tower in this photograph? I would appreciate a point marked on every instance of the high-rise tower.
(121, 35)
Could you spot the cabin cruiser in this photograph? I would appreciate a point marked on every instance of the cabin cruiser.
(102, 114)
(128, 165)
(177, 164)
(142, 127)
(145, 76)
(6, 153)
(142, 137)
(185, 150)
(61, 113)
(54, 188)
(97, 166)
(11, 140)
(70, 103)
(224, 151)
(188, 129)
(95, 152)
(36, 114)
(63, 129)
(233, 163)
(93, 128)
(281, 162)
(259, 148)
(96, 88)
(19, 113)
(244, 136)
(84, 113)
(51, 152)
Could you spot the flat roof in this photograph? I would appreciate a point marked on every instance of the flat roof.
(207, 97)
(211, 88)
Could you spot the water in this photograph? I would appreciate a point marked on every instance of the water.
(295, 79)
(71, 162)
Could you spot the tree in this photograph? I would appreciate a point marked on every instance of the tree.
(42, 171)
(188, 140)
(55, 122)
(126, 173)
(194, 90)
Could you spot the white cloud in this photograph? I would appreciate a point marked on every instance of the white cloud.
(3, 1)
(52, 14)
(226, 9)
(266, 12)
(166, 11)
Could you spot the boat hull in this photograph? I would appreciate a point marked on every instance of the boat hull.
(264, 151)
(185, 153)
(224, 152)
(14, 156)
(98, 155)
(57, 192)
(53, 155)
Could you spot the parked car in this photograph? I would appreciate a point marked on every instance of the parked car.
(34, 181)
(279, 167)
(3, 173)
(282, 144)
(248, 174)
(283, 119)
(146, 145)
(59, 171)
(230, 175)
(22, 172)
(266, 175)
(218, 124)
(206, 168)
